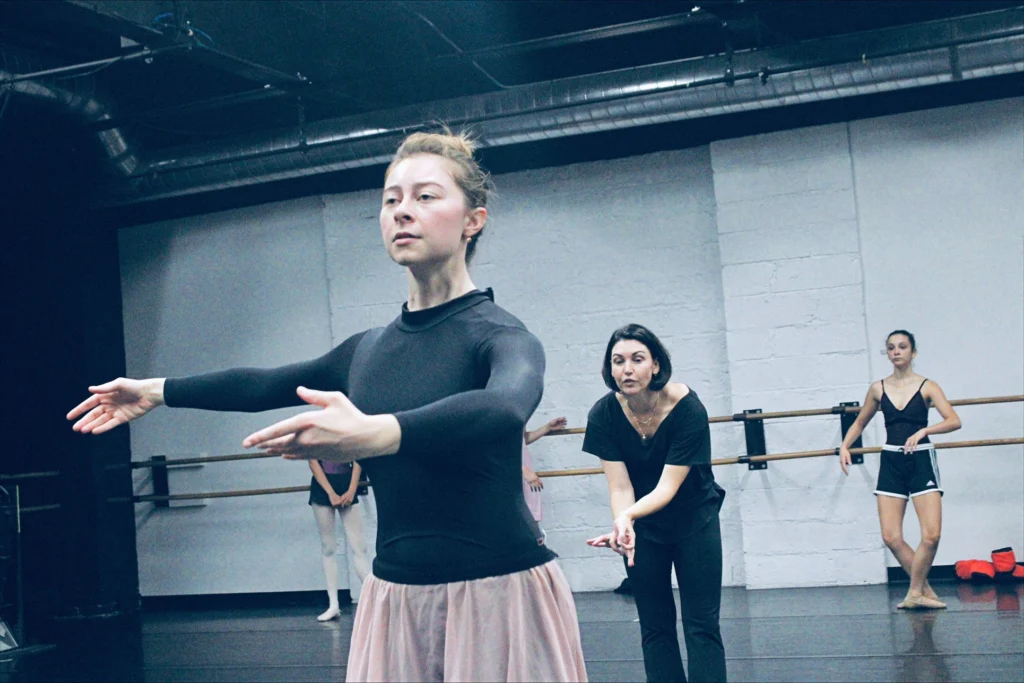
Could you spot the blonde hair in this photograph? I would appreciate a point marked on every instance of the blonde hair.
(458, 148)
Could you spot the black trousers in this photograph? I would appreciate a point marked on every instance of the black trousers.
(698, 565)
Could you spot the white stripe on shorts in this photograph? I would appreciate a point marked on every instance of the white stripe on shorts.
(920, 447)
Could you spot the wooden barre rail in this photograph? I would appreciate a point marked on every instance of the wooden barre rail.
(40, 508)
(814, 412)
(744, 417)
(199, 460)
(28, 475)
(805, 454)
(593, 470)
(216, 494)
(739, 417)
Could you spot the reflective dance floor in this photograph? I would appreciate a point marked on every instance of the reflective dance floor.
(807, 634)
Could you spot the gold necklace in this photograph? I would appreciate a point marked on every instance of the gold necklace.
(643, 426)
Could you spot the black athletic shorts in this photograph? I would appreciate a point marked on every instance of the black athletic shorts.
(905, 475)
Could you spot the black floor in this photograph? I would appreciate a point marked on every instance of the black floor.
(807, 634)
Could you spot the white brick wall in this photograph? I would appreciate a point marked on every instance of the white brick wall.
(632, 240)
(237, 288)
(792, 278)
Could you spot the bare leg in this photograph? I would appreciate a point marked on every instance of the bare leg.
(352, 521)
(324, 515)
(890, 515)
(929, 513)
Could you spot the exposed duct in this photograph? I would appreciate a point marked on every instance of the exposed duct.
(897, 58)
(75, 96)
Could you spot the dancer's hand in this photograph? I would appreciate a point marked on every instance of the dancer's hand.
(116, 403)
(344, 500)
(603, 541)
(339, 433)
(911, 443)
(845, 459)
(532, 479)
(623, 537)
(557, 423)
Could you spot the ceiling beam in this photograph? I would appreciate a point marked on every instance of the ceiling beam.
(87, 13)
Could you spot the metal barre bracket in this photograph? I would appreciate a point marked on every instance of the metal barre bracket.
(753, 465)
(161, 485)
(846, 420)
(753, 430)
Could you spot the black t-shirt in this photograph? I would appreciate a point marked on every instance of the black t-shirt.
(462, 379)
(683, 438)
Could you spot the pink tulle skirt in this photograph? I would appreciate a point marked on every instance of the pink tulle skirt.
(516, 627)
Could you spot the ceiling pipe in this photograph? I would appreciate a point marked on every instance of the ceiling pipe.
(857, 64)
(24, 76)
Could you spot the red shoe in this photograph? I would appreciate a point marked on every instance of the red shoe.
(1004, 561)
(1018, 571)
(982, 571)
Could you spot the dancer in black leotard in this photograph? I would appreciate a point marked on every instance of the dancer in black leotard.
(908, 469)
(460, 588)
(901, 476)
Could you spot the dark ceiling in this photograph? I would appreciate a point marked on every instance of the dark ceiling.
(257, 65)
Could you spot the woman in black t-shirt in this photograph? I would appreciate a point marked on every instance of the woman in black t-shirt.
(655, 447)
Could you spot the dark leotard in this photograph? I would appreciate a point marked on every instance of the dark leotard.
(905, 475)
(900, 425)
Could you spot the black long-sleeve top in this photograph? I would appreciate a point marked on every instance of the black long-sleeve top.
(462, 379)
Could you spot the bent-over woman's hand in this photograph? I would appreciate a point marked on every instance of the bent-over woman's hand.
(339, 432)
(116, 403)
(603, 541)
(624, 537)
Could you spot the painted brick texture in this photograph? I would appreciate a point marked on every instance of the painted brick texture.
(794, 308)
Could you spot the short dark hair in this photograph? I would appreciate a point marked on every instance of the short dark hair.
(913, 342)
(658, 353)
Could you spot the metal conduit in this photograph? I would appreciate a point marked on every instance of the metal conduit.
(890, 59)
(895, 58)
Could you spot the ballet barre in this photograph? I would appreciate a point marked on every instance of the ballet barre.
(1013, 441)
(851, 408)
(752, 417)
(755, 457)
(28, 475)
